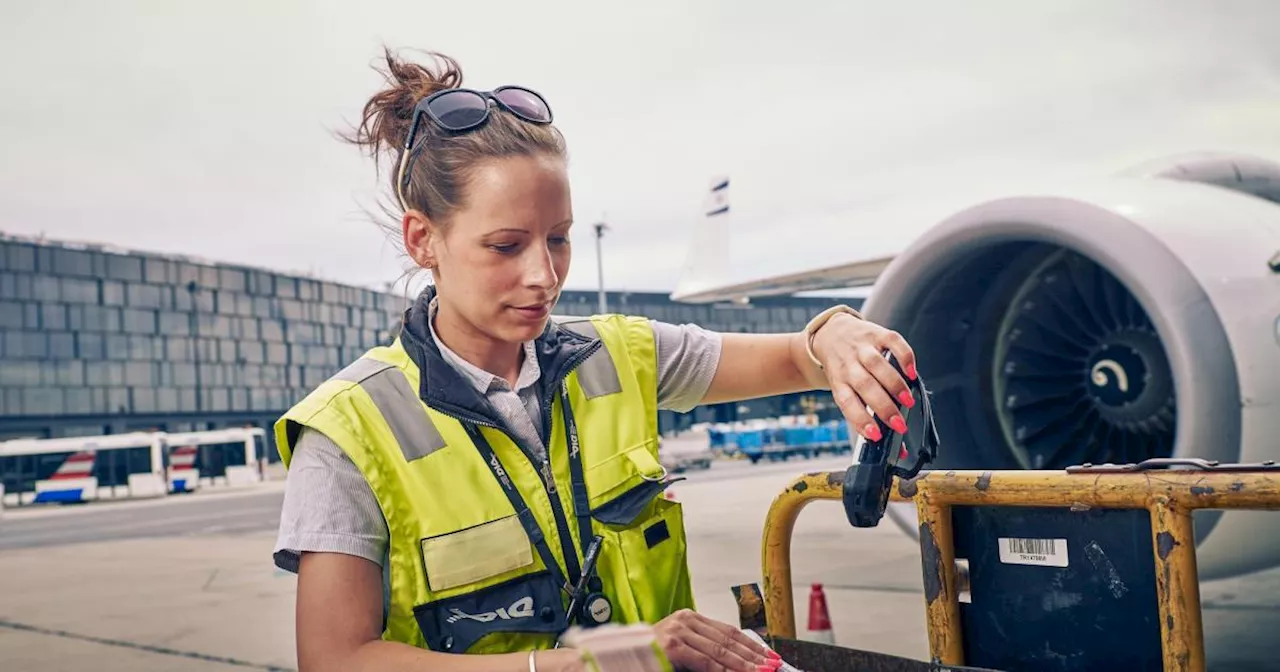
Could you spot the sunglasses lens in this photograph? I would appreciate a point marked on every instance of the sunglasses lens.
(525, 103)
(459, 110)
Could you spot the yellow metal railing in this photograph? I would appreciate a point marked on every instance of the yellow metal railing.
(1169, 495)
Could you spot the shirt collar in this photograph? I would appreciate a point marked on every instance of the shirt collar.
(482, 380)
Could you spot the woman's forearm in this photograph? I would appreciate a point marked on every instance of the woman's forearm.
(381, 656)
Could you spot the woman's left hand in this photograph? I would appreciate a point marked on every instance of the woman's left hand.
(851, 351)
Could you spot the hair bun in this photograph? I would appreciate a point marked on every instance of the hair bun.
(387, 115)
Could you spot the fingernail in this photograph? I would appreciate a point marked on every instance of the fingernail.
(906, 398)
(872, 432)
(898, 424)
(766, 668)
(774, 655)
(910, 370)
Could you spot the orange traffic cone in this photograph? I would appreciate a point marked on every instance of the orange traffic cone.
(819, 618)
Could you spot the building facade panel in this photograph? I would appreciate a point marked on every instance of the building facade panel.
(99, 341)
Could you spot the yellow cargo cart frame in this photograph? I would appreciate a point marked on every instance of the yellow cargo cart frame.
(1170, 496)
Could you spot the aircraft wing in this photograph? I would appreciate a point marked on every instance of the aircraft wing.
(706, 277)
(855, 274)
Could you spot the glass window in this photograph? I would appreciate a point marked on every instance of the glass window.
(20, 374)
(123, 267)
(139, 321)
(187, 400)
(143, 296)
(11, 313)
(272, 330)
(72, 262)
(24, 345)
(112, 293)
(62, 345)
(174, 324)
(21, 257)
(75, 290)
(261, 284)
(78, 401)
(178, 349)
(277, 353)
(208, 277)
(53, 316)
(251, 351)
(231, 279)
(158, 271)
(42, 401)
(139, 374)
(90, 346)
(167, 400)
(45, 288)
(142, 399)
(184, 375)
(239, 399)
(117, 346)
(217, 399)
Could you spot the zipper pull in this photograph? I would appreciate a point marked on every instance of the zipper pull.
(547, 477)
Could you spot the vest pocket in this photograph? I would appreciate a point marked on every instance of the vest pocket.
(529, 604)
(646, 561)
(482, 552)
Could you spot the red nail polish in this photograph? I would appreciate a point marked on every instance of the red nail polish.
(898, 424)
(906, 399)
(872, 432)
(765, 668)
(774, 655)
(910, 370)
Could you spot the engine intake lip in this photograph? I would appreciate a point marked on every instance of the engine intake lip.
(943, 293)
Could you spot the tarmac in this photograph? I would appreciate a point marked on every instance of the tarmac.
(184, 588)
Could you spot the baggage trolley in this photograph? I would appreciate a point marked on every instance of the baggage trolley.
(1108, 551)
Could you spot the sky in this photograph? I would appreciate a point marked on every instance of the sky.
(847, 128)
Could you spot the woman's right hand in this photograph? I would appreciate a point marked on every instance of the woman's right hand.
(696, 643)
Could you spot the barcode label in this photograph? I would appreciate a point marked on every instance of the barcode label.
(1043, 552)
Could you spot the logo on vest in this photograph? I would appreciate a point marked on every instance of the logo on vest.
(573, 444)
(499, 470)
(521, 608)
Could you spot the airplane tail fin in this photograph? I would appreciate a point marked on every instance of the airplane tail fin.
(707, 264)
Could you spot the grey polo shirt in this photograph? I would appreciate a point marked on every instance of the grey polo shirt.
(329, 507)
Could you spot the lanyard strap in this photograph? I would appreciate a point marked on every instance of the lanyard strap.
(527, 520)
(578, 485)
(578, 482)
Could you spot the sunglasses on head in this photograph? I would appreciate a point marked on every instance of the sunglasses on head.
(460, 110)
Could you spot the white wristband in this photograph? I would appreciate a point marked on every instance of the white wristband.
(816, 323)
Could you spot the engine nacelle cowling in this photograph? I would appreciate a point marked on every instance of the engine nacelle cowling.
(1132, 317)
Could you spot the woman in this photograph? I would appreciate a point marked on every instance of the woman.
(449, 493)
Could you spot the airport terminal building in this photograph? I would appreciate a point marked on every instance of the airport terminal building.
(101, 341)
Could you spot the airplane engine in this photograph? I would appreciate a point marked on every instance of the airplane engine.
(1132, 317)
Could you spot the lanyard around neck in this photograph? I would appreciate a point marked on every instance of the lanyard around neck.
(581, 501)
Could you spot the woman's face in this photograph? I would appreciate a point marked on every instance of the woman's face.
(500, 262)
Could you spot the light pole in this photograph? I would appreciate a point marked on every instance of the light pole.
(600, 229)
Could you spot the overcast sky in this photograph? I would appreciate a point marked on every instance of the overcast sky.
(205, 128)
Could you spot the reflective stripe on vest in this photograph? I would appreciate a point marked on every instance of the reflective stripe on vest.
(399, 405)
(463, 574)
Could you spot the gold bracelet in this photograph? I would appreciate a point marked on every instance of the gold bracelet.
(811, 329)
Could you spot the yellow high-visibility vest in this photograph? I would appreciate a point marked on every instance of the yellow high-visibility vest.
(482, 550)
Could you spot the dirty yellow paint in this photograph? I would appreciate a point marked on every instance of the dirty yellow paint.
(1169, 496)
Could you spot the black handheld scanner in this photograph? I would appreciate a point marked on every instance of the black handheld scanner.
(868, 481)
